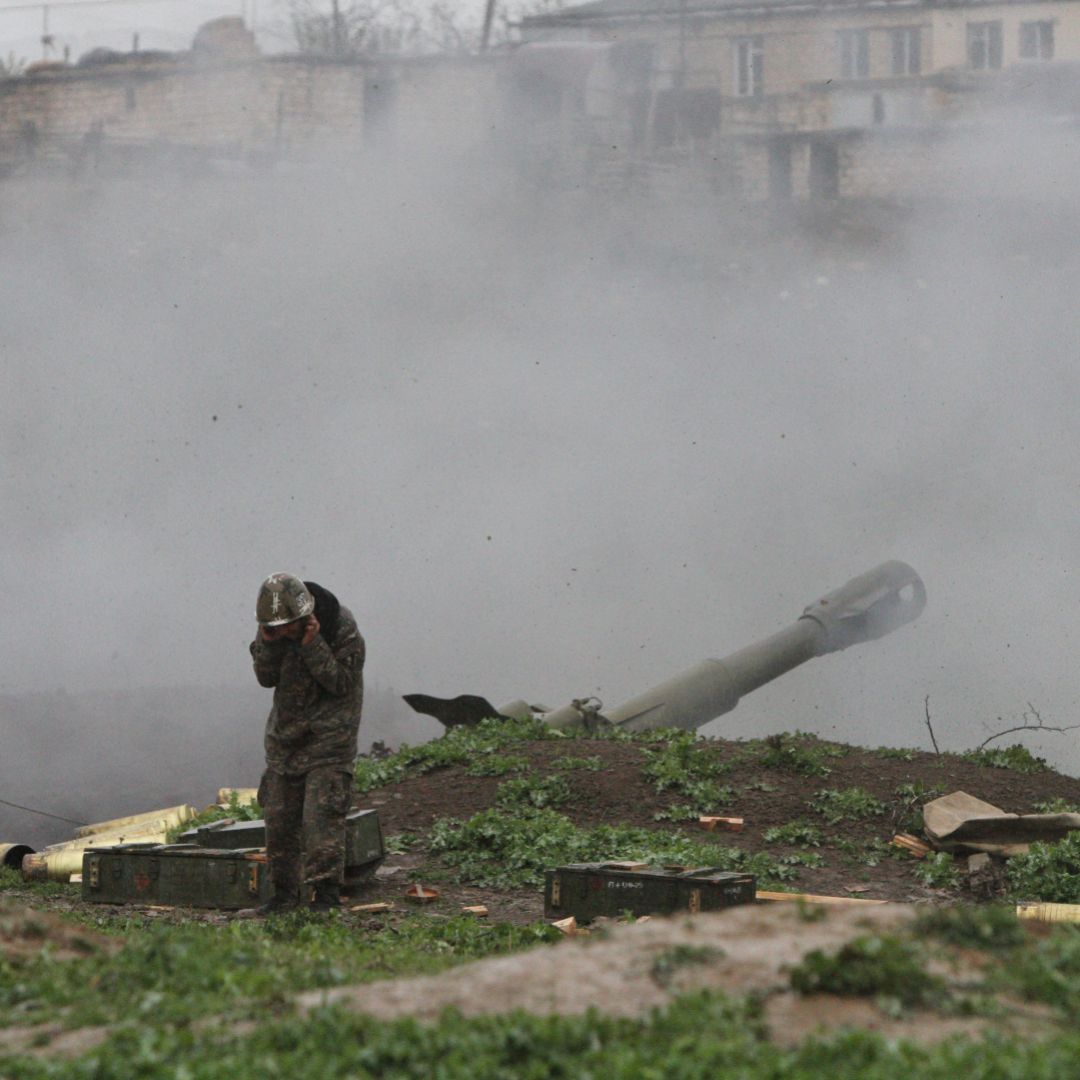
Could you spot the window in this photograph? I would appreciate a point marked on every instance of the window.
(906, 42)
(1036, 41)
(854, 49)
(749, 66)
(984, 45)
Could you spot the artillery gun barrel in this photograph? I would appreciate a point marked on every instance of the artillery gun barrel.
(867, 607)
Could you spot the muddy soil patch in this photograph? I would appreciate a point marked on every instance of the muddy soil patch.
(854, 851)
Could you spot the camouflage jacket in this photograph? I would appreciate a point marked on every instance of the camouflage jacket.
(318, 693)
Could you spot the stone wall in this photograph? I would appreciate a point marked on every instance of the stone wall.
(249, 108)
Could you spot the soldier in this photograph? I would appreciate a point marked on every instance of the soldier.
(309, 650)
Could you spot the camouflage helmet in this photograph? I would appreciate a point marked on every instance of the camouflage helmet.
(283, 599)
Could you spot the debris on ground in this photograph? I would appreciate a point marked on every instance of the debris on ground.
(911, 844)
(711, 823)
(961, 823)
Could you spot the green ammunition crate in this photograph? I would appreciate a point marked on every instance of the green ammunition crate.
(223, 867)
(180, 874)
(363, 838)
(588, 890)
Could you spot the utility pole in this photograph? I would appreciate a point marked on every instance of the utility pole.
(338, 43)
(489, 15)
(46, 38)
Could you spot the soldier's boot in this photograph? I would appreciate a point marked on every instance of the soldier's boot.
(286, 898)
(327, 897)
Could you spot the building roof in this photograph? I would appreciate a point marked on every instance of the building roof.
(633, 10)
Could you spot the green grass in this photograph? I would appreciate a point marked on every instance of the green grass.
(234, 809)
(592, 763)
(801, 754)
(698, 1036)
(992, 927)
(879, 966)
(848, 804)
(459, 746)
(512, 849)
(796, 834)
(1056, 805)
(895, 753)
(667, 964)
(174, 973)
(937, 871)
(12, 886)
(494, 764)
(1049, 872)
(533, 792)
(1017, 758)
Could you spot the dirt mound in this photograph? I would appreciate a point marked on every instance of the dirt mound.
(767, 789)
(25, 933)
(635, 968)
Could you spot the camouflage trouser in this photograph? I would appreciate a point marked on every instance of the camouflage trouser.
(305, 827)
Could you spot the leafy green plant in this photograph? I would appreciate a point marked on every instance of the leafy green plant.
(1049, 872)
(907, 814)
(398, 843)
(702, 1034)
(233, 808)
(895, 753)
(991, 927)
(761, 785)
(593, 763)
(801, 858)
(873, 851)
(1016, 757)
(706, 798)
(1048, 970)
(533, 791)
(171, 974)
(677, 812)
(497, 765)
(883, 967)
(799, 754)
(1056, 805)
(847, 804)
(11, 881)
(503, 849)
(937, 871)
(682, 764)
(459, 746)
(795, 833)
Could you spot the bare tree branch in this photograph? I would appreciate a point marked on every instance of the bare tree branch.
(1031, 714)
(926, 705)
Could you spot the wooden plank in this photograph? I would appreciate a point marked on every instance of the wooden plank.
(919, 848)
(712, 822)
(809, 898)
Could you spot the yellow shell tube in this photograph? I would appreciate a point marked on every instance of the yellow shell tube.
(143, 832)
(13, 854)
(245, 796)
(1049, 912)
(174, 815)
(59, 861)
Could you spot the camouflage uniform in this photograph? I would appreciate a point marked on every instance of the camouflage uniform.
(310, 742)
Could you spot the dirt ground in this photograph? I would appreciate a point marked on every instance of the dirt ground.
(634, 968)
(618, 793)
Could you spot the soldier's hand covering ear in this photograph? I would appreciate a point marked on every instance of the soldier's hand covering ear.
(310, 630)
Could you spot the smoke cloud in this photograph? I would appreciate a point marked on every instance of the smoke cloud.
(541, 444)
